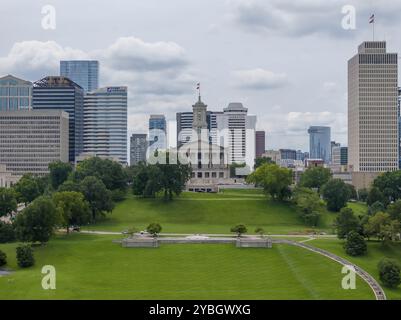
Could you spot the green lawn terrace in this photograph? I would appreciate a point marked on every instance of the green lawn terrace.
(92, 267)
(214, 213)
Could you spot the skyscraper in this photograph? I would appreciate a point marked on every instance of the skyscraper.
(105, 123)
(320, 143)
(15, 94)
(260, 137)
(333, 145)
(399, 125)
(184, 127)
(373, 132)
(61, 93)
(157, 132)
(237, 130)
(138, 148)
(83, 72)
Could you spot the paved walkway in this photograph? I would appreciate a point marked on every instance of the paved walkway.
(311, 237)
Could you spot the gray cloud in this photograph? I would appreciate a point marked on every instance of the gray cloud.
(133, 53)
(157, 74)
(259, 79)
(35, 59)
(307, 17)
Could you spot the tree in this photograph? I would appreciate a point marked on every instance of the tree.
(8, 201)
(36, 223)
(389, 272)
(261, 161)
(336, 194)
(110, 172)
(382, 226)
(274, 180)
(352, 192)
(375, 195)
(118, 195)
(69, 185)
(173, 178)
(154, 229)
(355, 244)
(375, 208)
(25, 256)
(73, 208)
(149, 179)
(27, 189)
(363, 194)
(315, 177)
(131, 231)
(59, 172)
(394, 210)
(239, 229)
(389, 183)
(7, 233)
(308, 204)
(97, 195)
(260, 231)
(146, 181)
(346, 222)
(3, 259)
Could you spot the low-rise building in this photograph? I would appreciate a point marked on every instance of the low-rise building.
(31, 140)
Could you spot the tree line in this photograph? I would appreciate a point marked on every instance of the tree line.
(65, 197)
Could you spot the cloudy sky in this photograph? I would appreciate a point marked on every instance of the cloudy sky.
(285, 60)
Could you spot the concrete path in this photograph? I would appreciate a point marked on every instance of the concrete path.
(311, 237)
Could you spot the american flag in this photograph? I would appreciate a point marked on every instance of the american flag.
(372, 19)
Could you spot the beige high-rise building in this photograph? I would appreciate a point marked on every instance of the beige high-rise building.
(373, 143)
(30, 140)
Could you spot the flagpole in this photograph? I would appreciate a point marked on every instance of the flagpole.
(374, 29)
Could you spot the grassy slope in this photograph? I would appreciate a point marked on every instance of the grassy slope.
(210, 213)
(91, 266)
(369, 262)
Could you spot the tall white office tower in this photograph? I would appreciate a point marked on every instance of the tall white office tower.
(105, 123)
(236, 130)
(373, 132)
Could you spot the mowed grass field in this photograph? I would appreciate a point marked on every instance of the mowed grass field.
(376, 251)
(92, 267)
(210, 213)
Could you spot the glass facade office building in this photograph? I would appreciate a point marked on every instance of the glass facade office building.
(157, 132)
(320, 143)
(61, 93)
(83, 72)
(105, 123)
(15, 94)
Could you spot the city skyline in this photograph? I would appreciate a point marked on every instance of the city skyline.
(161, 65)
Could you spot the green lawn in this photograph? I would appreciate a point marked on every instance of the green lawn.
(92, 267)
(376, 251)
(210, 213)
(359, 208)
